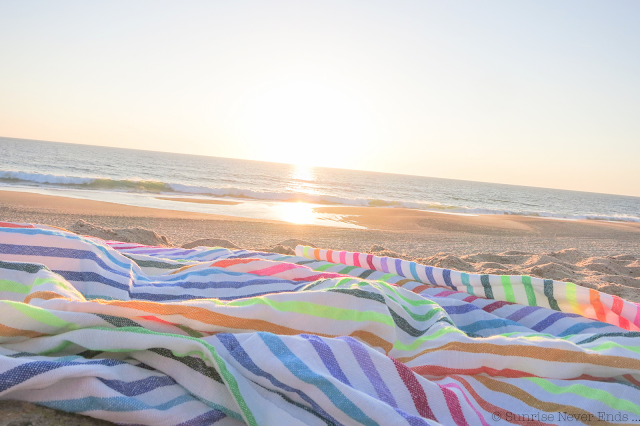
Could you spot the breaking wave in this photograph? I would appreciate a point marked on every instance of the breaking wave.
(157, 187)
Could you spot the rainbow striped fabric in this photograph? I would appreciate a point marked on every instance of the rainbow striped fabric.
(143, 335)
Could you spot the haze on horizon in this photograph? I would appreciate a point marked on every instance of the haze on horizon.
(534, 93)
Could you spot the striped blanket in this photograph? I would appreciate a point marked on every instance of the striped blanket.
(142, 335)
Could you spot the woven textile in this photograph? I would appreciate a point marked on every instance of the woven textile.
(169, 336)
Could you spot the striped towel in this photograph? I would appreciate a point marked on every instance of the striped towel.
(142, 335)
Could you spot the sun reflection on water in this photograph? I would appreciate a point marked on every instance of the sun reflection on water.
(300, 213)
(302, 179)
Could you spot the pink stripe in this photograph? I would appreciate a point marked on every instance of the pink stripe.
(636, 321)
(453, 385)
(320, 276)
(454, 406)
(343, 257)
(276, 269)
(616, 308)
(356, 260)
(470, 299)
(370, 262)
(330, 256)
(415, 390)
(445, 293)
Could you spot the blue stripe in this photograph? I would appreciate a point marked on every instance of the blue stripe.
(446, 275)
(551, 319)
(491, 324)
(399, 268)
(206, 419)
(327, 357)
(114, 403)
(460, 309)
(108, 252)
(369, 369)
(138, 387)
(28, 370)
(429, 271)
(523, 312)
(237, 351)
(137, 293)
(579, 328)
(299, 369)
(412, 268)
(25, 250)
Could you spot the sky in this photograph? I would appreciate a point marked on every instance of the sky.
(537, 93)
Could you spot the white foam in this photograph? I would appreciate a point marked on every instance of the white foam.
(242, 193)
(42, 178)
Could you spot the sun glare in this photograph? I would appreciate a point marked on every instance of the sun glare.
(298, 213)
(305, 123)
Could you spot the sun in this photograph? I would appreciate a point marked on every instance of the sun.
(305, 122)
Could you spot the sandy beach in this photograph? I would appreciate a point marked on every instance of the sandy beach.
(596, 254)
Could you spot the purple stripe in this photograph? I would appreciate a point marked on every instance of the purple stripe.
(383, 263)
(327, 357)
(399, 268)
(523, 312)
(369, 369)
(429, 271)
(446, 274)
(236, 350)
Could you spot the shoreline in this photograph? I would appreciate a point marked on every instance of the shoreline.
(599, 255)
(414, 232)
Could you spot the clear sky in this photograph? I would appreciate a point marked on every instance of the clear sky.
(539, 93)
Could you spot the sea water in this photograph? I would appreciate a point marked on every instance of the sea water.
(267, 190)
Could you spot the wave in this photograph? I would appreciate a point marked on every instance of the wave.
(150, 186)
(84, 182)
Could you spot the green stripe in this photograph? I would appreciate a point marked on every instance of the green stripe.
(528, 289)
(230, 380)
(347, 269)
(320, 311)
(420, 340)
(465, 280)
(488, 291)
(387, 276)
(508, 289)
(324, 267)
(41, 315)
(612, 345)
(14, 287)
(587, 393)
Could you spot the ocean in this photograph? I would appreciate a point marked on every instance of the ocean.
(274, 191)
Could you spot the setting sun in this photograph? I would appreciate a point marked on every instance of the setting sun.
(305, 122)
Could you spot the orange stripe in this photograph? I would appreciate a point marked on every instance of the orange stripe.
(630, 378)
(230, 262)
(495, 410)
(45, 295)
(403, 282)
(7, 331)
(316, 254)
(549, 407)
(440, 371)
(183, 269)
(535, 352)
(214, 318)
(594, 297)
